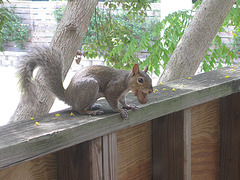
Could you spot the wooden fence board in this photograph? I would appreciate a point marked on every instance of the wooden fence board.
(187, 143)
(74, 162)
(40, 168)
(205, 140)
(134, 147)
(109, 148)
(230, 137)
(168, 147)
(43, 23)
(94, 160)
(45, 28)
(46, 34)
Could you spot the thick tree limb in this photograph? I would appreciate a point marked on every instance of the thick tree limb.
(197, 38)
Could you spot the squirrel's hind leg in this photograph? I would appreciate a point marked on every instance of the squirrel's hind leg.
(90, 112)
(84, 93)
(95, 106)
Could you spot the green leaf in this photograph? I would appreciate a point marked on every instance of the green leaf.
(218, 40)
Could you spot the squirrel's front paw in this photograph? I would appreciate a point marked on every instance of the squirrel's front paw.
(131, 107)
(124, 114)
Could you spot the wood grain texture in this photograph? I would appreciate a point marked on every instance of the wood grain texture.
(41, 168)
(23, 141)
(187, 143)
(109, 146)
(134, 147)
(96, 159)
(205, 141)
(74, 162)
(230, 137)
(91, 160)
(168, 147)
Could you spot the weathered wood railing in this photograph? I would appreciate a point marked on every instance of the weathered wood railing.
(190, 133)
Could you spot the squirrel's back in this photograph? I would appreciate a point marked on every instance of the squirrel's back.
(103, 74)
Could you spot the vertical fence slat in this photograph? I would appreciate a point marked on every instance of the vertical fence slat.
(205, 140)
(109, 143)
(74, 162)
(230, 137)
(187, 144)
(96, 159)
(168, 146)
(134, 149)
(82, 161)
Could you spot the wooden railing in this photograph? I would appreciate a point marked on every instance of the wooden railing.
(189, 132)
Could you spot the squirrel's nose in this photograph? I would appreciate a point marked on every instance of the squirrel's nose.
(150, 91)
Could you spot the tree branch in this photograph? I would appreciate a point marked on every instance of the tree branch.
(67, 40)
(197, 38)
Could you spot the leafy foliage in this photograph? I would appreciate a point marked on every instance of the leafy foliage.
(174, 25)
(120, 37)
(58, 12)
(112, 35)
(236, 43)
(5, 17)
(224, 54)
(136, 10)
(124, 51)
(172, 28)
(12, 29)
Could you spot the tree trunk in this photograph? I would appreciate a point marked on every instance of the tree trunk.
(67, 39)
(197, 38)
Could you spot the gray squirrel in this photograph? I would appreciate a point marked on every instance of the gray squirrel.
(87, 85)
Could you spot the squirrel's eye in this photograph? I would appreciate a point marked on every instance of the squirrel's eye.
(140, 80)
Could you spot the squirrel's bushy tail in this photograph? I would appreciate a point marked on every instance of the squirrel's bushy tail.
(50, 62)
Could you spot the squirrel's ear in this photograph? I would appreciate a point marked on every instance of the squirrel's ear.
(145, 69)
(135, 69)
